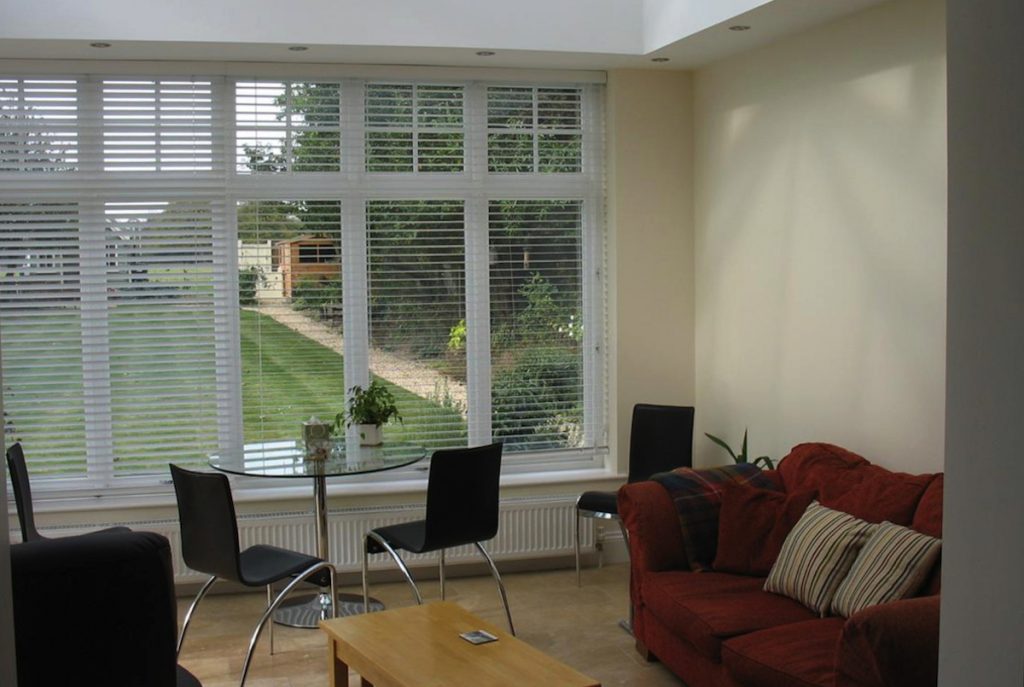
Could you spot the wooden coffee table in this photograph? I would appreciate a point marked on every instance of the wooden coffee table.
(419, 646)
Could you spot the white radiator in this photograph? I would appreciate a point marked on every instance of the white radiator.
(529, 528)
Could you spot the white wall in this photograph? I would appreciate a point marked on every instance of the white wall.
(820, 240)
(650, 201)
(983, 548)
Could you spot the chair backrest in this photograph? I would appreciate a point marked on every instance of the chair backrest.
(209, 529)
(660, 439)
(462, 496)
(22, 493)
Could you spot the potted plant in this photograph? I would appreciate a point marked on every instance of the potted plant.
(741, 456)
(368, 409)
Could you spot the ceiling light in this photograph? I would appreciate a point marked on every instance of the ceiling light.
(484, 53)
(739, 27)
(659, 59)
(99, 44)
(298, 48)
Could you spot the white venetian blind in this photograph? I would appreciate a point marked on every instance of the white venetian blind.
(416, 289)
(287, 126)
(291, 319)
(115, 337)
(414, 127)
(39, 124)
(173, 248)
(532, 130)
(161, 320)
(537, 382)
(159, 125)
(44, 341)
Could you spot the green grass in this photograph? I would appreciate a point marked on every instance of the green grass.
(301, 378)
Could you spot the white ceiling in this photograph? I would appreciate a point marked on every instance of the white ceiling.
(565, 34)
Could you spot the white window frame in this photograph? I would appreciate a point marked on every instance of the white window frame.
(353, 186)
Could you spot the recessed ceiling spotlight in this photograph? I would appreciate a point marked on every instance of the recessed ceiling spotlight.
(485, 53)
(298, 48)
(739, 27)
(659, 59)
(99, 44)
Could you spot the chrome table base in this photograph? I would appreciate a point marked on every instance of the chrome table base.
(307, 611)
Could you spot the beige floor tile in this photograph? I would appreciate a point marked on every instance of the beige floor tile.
(578, 626)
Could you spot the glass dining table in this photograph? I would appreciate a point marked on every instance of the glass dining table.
(287, 459)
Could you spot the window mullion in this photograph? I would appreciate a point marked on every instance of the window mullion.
(355, 300)
(595, 311)
(99, 447)
(478, 302)
(478, 321)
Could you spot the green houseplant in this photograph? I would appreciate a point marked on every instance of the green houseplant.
(741, 456)
(368, 409)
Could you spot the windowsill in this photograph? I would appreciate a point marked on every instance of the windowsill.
(303, 490)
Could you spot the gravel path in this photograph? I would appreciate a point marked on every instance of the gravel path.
(413, 375)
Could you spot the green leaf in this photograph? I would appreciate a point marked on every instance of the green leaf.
(743, 451)
(766, 461)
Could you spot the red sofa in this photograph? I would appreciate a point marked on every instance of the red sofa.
(716, 629)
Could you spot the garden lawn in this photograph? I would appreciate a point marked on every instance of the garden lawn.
(287, 378)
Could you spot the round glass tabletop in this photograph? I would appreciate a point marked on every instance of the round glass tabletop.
(287, 459)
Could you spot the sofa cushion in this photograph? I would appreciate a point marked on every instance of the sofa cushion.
(795, 655)
(808, 466)
(817, 555)
(752, 525)
(704, 620)
(847, 482)
(893, 564)
(679, 584)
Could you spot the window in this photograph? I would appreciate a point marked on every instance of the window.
(534, 129)
(414, 127)
(189, 264)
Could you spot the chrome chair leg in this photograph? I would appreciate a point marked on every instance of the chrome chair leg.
(441, 574)
(191, 609)
(627, 625)
(401, 564)
(576, 541)
(366, 576)
(270, 630)
(267, 614)
(501, 585)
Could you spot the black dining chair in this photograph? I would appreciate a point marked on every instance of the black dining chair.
(209, 544)
(23, 495)
(660, 439)
(462, 508)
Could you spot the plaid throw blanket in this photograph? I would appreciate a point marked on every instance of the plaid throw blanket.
(697, 495)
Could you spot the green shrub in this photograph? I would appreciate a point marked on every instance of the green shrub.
(248, 280)
(313, 293)
(538, 398)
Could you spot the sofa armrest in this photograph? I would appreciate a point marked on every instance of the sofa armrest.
(95, 609)
(655, 538)
(895, 643)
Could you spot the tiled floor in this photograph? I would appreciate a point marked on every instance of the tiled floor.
(576, 625)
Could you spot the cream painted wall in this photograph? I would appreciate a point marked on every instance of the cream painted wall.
(821, 240)
(650, 203)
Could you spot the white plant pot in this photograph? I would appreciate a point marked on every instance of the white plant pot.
(370, 435)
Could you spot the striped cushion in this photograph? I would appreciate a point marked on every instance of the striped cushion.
(893, 564)
(817, 555)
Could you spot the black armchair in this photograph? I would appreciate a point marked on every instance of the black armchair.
(117, 626)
